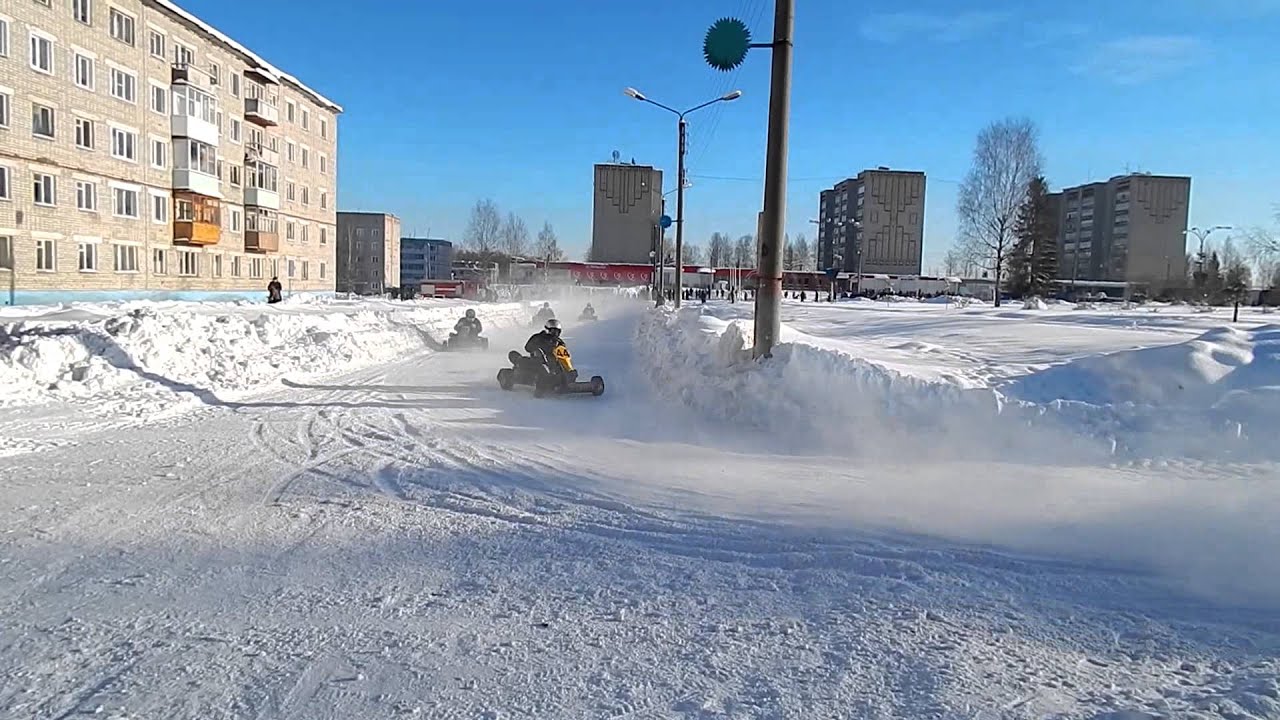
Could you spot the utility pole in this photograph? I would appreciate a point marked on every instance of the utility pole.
(683, 129)
(769, 293)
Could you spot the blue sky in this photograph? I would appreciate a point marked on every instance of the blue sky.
(450, 101)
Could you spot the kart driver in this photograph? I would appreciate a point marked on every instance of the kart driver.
(542, 345)
(469, 325)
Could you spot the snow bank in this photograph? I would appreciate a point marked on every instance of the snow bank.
(141, 353)
(823, 399)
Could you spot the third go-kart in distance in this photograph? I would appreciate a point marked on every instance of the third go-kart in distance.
(548, 368)
(588, 313)
(544, 314)
(466, 334)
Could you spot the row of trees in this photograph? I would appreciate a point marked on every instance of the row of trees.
(491, 238)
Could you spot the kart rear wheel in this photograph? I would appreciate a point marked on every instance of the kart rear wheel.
(507, 378)
(597, 385)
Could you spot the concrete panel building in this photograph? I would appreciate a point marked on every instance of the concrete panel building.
(1131, 228)
(368, 252)
(144, 153)
(880, 212)
(626, 207)
(423, 259)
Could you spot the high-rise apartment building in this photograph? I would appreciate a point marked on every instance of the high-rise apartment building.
(627, 204)
(144, 152)
(368, 252)
(880, 211)
(1131, 228)
(423, 259)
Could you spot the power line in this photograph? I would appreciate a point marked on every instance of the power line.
(702, 140)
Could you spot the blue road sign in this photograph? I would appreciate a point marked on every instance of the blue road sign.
(833, 272)
(665, 221)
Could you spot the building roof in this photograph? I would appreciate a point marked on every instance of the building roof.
(262, 64)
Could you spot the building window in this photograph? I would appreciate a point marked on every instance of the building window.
(46, 189)
(159, 209)
(45, 256)
(6, 103)
(306, 119)
(234, 175)
(188, 264)
(194, 102)
(306, 270)
(289, 230)
(4, 37)
(159, 153)
(124, 85)
(236, 127)
(324, 164)
(324, 238)
(159, 99)
(235, 266)
(306, 195)
(306, 235)
(126, 258)
(217, 266)
(291, 191)
(290, 110)
(324, 200)
(6, 252)
(235, 84)
(122, 27)
(159, 266)
(255, 267)
(235, 220)
(215, 73)
(84, 71)
(306, 157)
(82, 11)
(41, 53)
(322, 269)
(84, 133)
(86, 196)
(42, 121)
(183, 55)
(292, 267)
(126, 202)
(5, 193)
(155, 43)
(324, 128)
(124, 144)
(88, 257)
(290, 151)
(194, 155)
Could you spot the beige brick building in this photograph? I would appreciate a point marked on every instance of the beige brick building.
(142, 152)
(368, 252)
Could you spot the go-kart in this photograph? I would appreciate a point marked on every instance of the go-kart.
(548, 376)
(540, 319)
(463, 341)
(588, 316)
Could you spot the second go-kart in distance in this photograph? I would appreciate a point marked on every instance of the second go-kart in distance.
(466, 334)
(588, 313)
(548, 368)
(544, 314)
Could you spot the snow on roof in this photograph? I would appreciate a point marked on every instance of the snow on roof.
(262, 64)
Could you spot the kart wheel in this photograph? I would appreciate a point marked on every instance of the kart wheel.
(506, 378)
(597, 385)
(542, 387)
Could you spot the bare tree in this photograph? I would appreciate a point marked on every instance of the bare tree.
(804, 254)
(693, 254)
(720, 250)
(788, 253)
(515, 236)
(744, 252)
(953, 263)
(1005, 160)
(484, 228)
(547, 247)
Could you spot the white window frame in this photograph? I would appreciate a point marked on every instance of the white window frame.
(132, 25)
(87, 249)
(183, 55)
(86, 190)
(183, 257)
(293, 268)
(6, 182)
(43, 37)
(324, 164)
(91, 62)
(235, 176)
(79, 122)
(5, 24)
(306, 233)
(52, 186)
(152, 34)
(53, 120)
(122, 252)
(324, 237)
(324, 199)
(291, 151)
(306, 119)
(237, 268)
(129, 88)
(160, 202)
(6, 107)
(161, 92)
(324, 128)
(291, 111)
(159, 261)
(236, 130)
(47, 250)
(306, 195)
(121, 138)
(82, 11)
(235, 220)
(117, 194)
(291, 192)
(215, 267)
(235, 82)
(163, 145)
(322, 268)
(290, 230)
(306, 157)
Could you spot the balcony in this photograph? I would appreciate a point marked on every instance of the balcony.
(197, 182)
(261, 111)
(195, 115)
(188, 74)
(261, 232)
(258, 197)
(197, 220)
(262, 74)
(257, 152)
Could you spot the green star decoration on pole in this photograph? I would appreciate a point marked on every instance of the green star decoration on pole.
(726, 44)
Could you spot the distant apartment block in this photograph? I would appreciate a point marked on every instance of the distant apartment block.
(627, 205)
(424, 259)
(143, 152)
(1131, 228)
(880, 212)
(368, 252)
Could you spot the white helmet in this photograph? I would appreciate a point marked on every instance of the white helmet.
(553, 326)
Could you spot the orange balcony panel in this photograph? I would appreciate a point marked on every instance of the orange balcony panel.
(263, 242)
(196, 233)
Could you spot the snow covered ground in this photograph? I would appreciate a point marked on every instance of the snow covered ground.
(912, 510)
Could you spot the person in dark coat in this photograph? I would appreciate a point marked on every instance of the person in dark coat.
(274, 291)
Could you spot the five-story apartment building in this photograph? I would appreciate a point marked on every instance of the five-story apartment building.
(142, 152)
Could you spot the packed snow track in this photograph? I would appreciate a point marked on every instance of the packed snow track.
(408, 540)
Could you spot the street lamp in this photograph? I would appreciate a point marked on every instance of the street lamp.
(1202, 234)
(681, 127)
